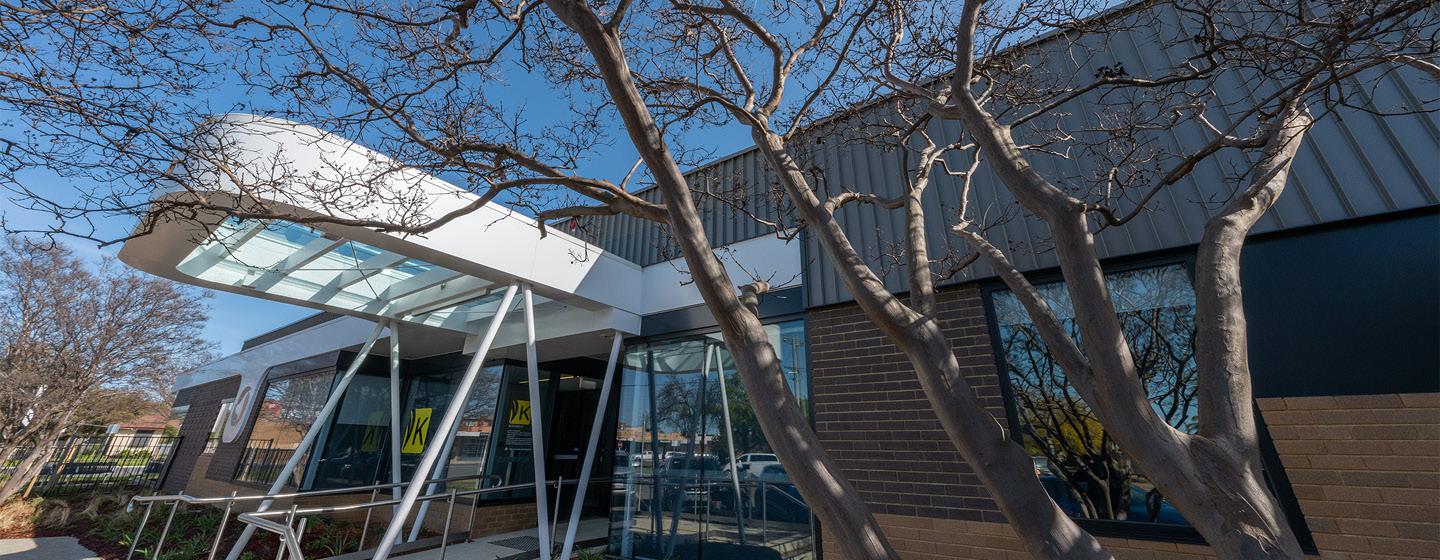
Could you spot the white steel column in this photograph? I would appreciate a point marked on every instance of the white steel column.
(447, 424)
(729, 436)
(395, 408)
(321, 420)
(589, 461)
(537, 431)
(441, 471)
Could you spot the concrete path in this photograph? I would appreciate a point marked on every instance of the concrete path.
(489, 547)
(45, 548)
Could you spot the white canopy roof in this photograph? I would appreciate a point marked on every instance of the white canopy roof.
(451, 277)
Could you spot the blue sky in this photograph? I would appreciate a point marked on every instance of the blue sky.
(233, 317)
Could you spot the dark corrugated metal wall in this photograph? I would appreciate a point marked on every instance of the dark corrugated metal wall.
(1354, 163)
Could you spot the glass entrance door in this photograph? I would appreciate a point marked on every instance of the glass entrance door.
(694, 476)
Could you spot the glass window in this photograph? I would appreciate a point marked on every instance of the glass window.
(1081, 467)
(477, 423)
(354, 445)
(512, 459)
(176, 420)
(426, 397)
(695, 468)
(290, 406)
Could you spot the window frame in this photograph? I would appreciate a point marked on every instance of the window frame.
(217, 428)
(1275, 474)
(275, 375)
(701, 332)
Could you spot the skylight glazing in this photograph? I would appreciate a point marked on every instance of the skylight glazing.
(301, 263)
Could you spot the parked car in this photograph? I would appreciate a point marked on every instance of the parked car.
(693, 467)
(623, 466)
(687, 479)
(742, 463)
(773, 474)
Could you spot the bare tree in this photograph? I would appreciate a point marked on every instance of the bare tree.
(73, 338)
(417, 81)
(117, 87)
(1308, 59)
(741, 59)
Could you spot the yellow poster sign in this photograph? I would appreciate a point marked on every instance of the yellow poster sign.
(417, 432)
(519, 413)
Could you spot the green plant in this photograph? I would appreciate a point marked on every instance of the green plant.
(590, 555)
(330, 538)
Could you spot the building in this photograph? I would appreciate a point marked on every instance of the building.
(143, 434)
(1342, 287)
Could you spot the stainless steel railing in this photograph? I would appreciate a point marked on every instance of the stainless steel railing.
(291, 535)
(175, 501)
(291, 529)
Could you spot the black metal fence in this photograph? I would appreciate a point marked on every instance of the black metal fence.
(85, 463)
(262, 461)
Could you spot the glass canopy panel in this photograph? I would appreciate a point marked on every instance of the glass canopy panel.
(297, 262)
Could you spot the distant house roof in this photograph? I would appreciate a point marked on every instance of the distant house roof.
(147, 422)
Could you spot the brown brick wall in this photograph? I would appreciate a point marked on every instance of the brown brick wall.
(872, 415)
(204, 402)
(921, 538)
(1366, 471)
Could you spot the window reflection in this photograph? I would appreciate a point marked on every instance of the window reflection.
(1081, 467)
(684, 483)
(289, 407)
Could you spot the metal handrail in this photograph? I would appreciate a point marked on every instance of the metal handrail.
(292, 541)
(260, 519)
(188, 499)
(695, 482)
(685, 484)
(233, 498)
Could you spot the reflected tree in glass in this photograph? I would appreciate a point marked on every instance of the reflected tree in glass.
(1087, 473)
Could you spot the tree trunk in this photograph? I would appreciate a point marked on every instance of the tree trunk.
(1212, 478)
(28, 469)
(1002, 465)
(1251, 523)
(820, 481)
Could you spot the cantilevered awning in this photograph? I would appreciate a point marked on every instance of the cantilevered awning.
(294, 262)
(451, 277)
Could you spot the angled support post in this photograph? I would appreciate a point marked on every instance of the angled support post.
(537, 431)
(729, 435)
(441, 471)
(395, 408)
(589, 461)
(321, 420)
(447, 424)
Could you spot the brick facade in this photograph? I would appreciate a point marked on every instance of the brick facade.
(872, 415)
(204, 402)
(923, 538)
(1365, 469)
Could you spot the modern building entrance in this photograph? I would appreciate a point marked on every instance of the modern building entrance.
(694, 475)
(445, 369)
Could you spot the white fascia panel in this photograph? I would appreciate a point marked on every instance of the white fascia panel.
(331, 335)
(493, 242)
(667, 285)
(556, 322)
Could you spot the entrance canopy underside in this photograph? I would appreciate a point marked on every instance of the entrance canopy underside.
(451, 277)
(290, 261)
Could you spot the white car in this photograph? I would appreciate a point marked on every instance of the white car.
(743, 463)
